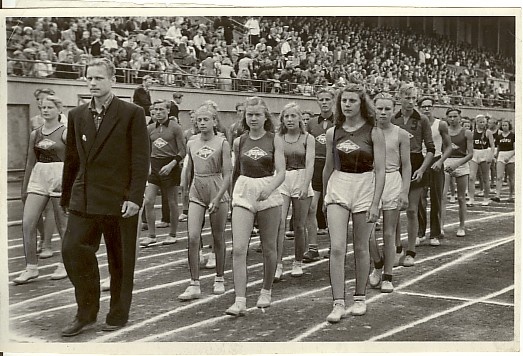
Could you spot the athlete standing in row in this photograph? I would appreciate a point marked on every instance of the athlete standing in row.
(395, 195)
(318, 128)
(457, 166)
(209, 157)
(356, 159)
(298, 148)
(167, 151)
(435, 173)
(506, 160)
(418, 127)
(260, 167)
(483, 146)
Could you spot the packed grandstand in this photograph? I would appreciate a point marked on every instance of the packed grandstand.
(288, 55)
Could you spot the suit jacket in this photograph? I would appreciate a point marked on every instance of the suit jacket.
(142, 98)
(105, 168)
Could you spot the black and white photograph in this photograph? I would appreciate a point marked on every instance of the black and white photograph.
(238, 181)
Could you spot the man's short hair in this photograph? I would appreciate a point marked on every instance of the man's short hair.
(177, 95)
(103, 62)
(48, 91)
(449, 110)
(406, 89)
(327, 90)
(426, 98)
(161, 101)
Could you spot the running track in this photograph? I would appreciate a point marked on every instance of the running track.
(460, 291)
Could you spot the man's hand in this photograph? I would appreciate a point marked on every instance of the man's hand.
(129, 209)
(417, 175)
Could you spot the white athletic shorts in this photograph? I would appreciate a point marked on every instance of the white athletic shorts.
(353, 191)
(293, 181)
(46, 179)
(502, 156)
(484, 155)
(391, 191)
(247, 190)
(462, 170)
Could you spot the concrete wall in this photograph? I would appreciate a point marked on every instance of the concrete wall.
(22, 106)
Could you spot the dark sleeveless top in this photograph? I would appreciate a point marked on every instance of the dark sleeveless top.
(353, 151)
(51, 147)
(480, 140)
(256, 157)
(459, 145)
(295, 152)
(506, 143)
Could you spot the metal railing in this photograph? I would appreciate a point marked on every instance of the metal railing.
(183, 79)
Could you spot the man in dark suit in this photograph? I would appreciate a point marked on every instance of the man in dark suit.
(105, 171)
(142, 96)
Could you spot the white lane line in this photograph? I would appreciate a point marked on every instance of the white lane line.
(284, 300)
(175, 252)
(442, 313)
(56, 237)
(462, 299)
(480, 249)
(167, 285)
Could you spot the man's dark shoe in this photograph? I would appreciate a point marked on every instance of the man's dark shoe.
(76, 327)
(109, 327)
(311, 256)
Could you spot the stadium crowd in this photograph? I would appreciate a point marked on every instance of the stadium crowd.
(290, 55)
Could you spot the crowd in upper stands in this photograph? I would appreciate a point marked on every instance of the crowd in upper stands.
(291, 55)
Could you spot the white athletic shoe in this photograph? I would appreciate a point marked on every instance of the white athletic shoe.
(169, 240)
(59, 272)
(28, 274)
(279, 272)
(434, 241)
(397, 258)
(147, 240)
(211, 261)
(192, 292)
(359, 307)
(297, 271)
(219, 285)
(337, 313)
(264, 300)
(375, 278)
(237, 309)
(387, 287)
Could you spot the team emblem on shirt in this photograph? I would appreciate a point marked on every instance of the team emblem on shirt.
(410, 135)
(159, 142)
(255, 153)
(455, 147)
(45, 144)
(347, 146)
(205, 152)
(321, 138)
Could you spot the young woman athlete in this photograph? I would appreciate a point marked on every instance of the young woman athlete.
(298, 147)
(260, 167)
(356, 159)
(209, 157)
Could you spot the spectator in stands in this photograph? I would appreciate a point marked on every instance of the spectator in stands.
(43, 68)
(96, 42)
(71, 34)
(142, 96)
(174, 110)
(52, 33)
(66, 69)
(225, 75)
(208, 70)
(199, 44)
(110, 42)
(253, 30)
